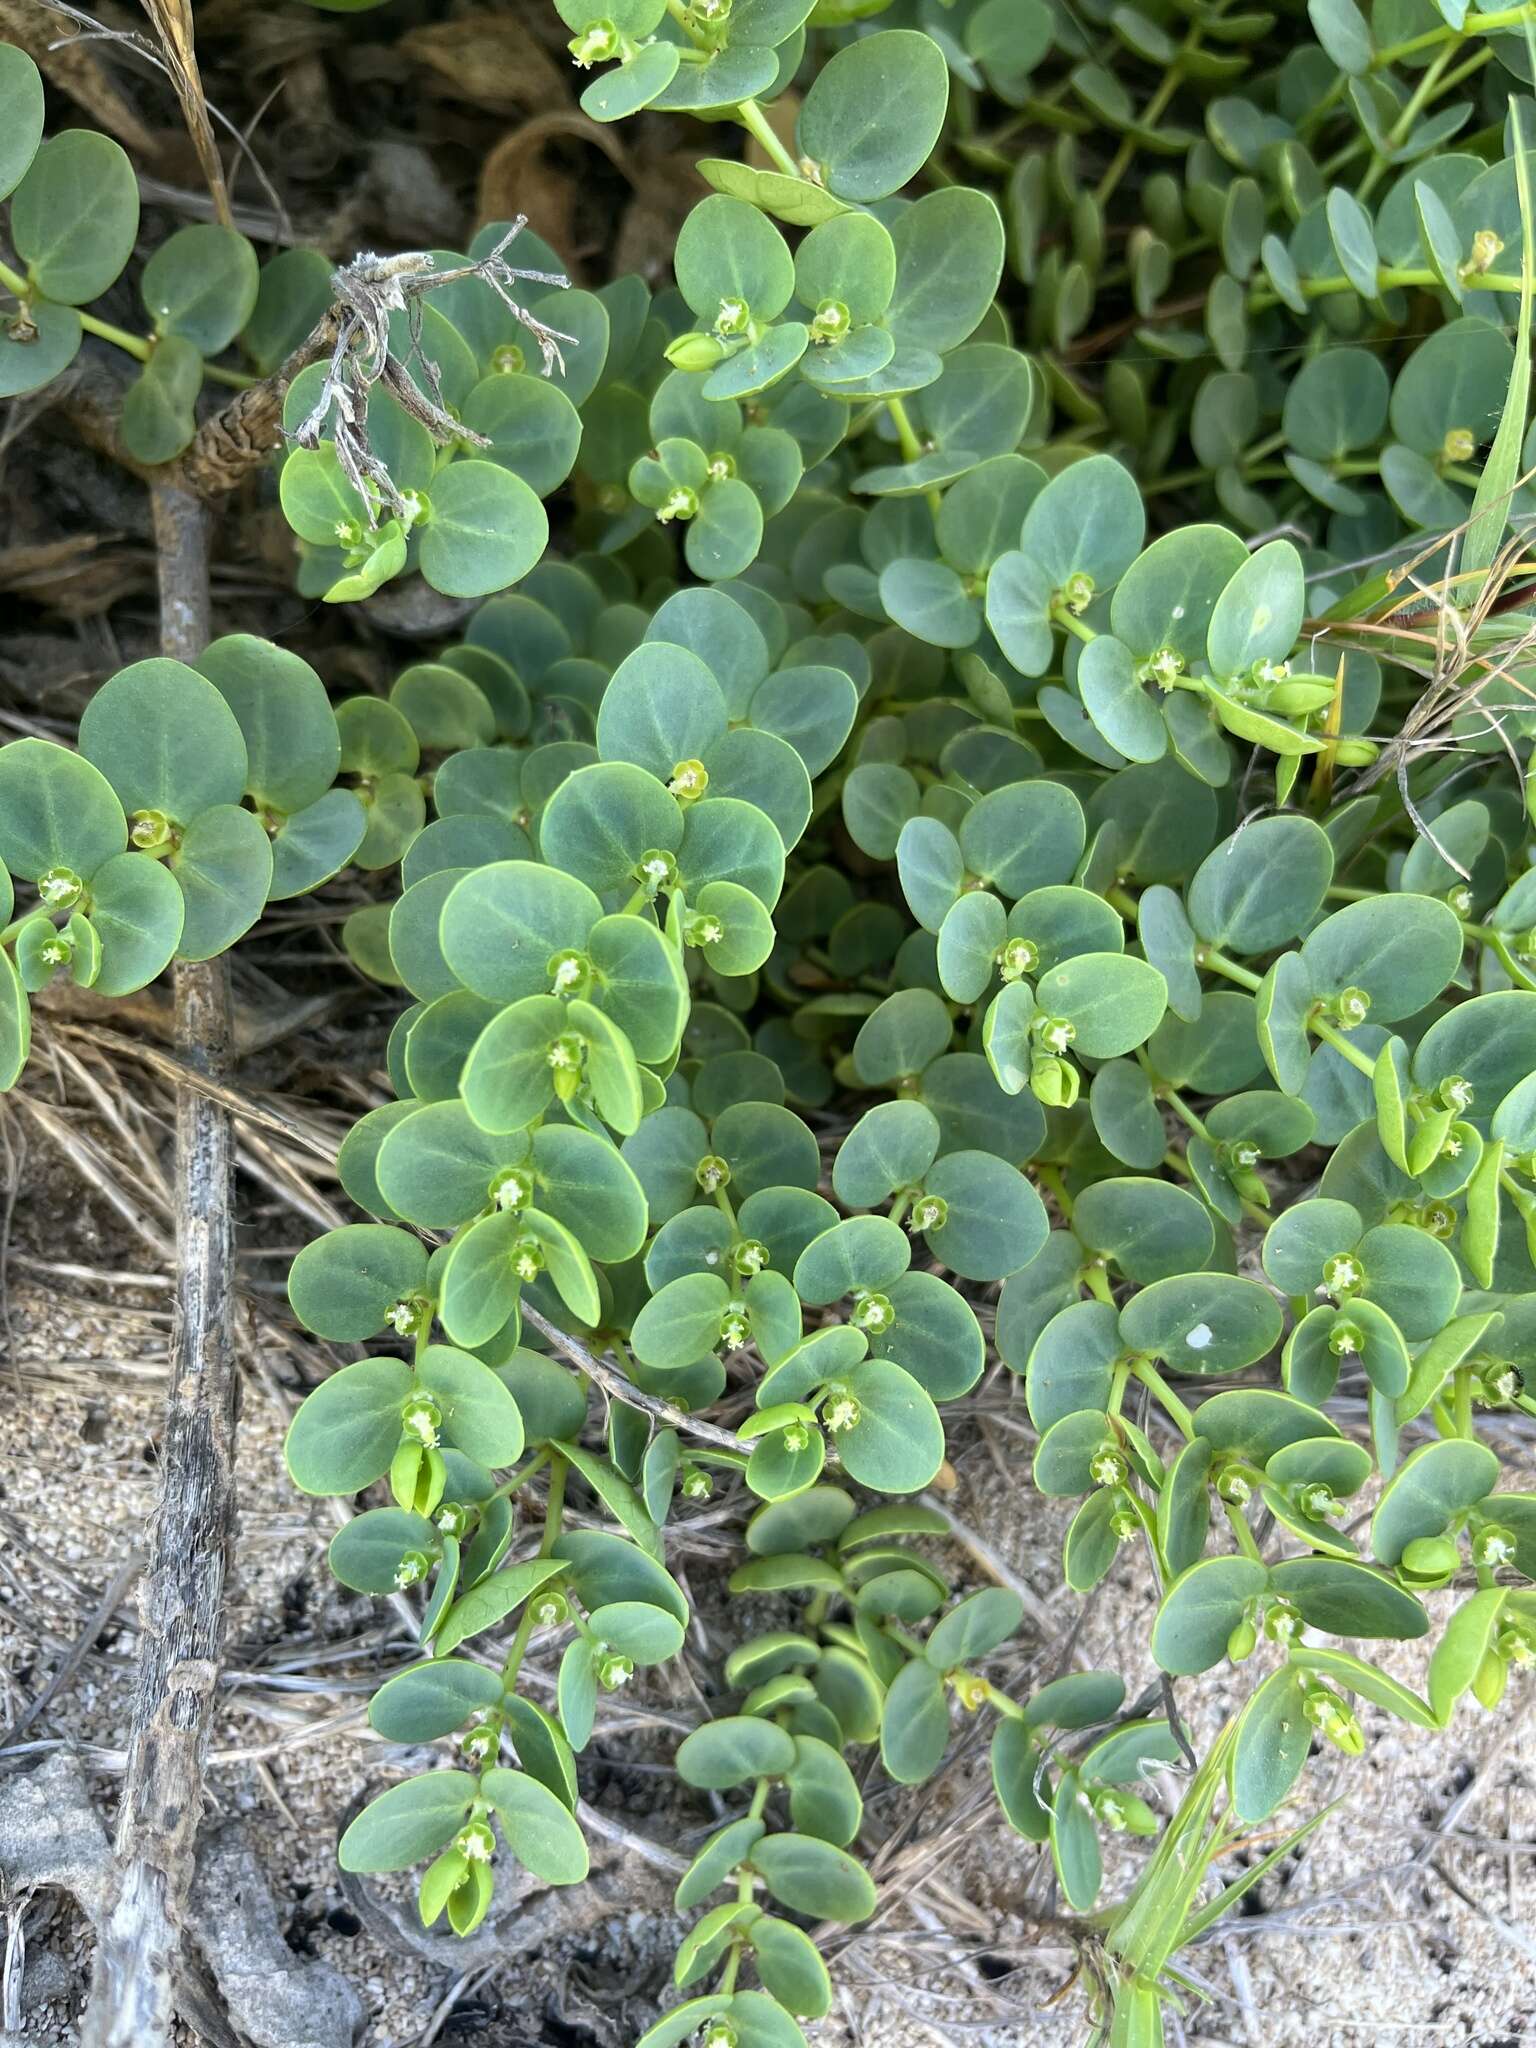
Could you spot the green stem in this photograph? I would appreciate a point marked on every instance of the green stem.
(1330, 1034)
(1240, 1529)
(1061, 616)
(1232, 970)
(911, 447)
(1124, 156)
(906, 433)
(521, 1477)
(1424, 92)
(1475, 24)
(1184, 1113)
(1096, 1280)
(1464, 1422)
(1144, 1370)
(1005, 1706)
(554, 1512)
(757, 125)
(139, 346)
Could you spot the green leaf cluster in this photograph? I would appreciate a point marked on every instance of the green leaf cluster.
(912, 857)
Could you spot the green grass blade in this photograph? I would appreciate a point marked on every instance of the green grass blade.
(1501, 472)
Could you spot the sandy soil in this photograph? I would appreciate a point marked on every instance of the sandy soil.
(1406, 1918)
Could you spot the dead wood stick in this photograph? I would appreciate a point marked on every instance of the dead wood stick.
(138, 1955)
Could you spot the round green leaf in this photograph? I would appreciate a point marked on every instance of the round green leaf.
(813, 1877)
(539, 1828)
(995, 1222)
(1113, 1001)
(346, 1432)
(56, 810)
(897, 1443)
(409, 1822)
(137, 910)
(343, 1285)
(1348, 1599)
(1203, 1322)
(1273, 1739)
(75, 215)
(431, 1700)
(1149, 1228)
(1435, 1483)
(874, 112)
(223, 868)
(200, 285)
(1200, 1610)
(1262, 886)
(166, 740)
(729, 1751)
(486, 530)
(1400, 950)
(914, 1726)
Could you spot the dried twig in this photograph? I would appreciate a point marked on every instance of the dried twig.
(369, 291)
(354, 334)
(182, 1595)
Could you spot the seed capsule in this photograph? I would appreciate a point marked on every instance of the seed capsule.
(1429, 1560)
(1242, 1642)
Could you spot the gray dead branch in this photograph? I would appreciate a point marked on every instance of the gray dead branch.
(257, 1993)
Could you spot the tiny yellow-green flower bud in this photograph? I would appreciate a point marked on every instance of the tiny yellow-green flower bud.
(840, 1410)
(689, 781)
(59, 888)
(598, 43)
(1106, 1467)
(735, 1330)
(1163, 668)
(527, 1257)
(512, 1189)
(831, 321)
(1493, 1545)
(1333, 1719)
(1487, 247)
(1054, 1082)
(681, 502)
(411, 1569)
(1342, 1274)
(421, 1418)
(1018, 958)
(476, 1842)
(873, 1313)
(569, 972)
